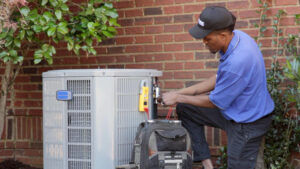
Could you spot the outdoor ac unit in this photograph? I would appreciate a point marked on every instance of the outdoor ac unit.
(90, 116)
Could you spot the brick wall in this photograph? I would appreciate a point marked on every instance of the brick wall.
(153, 35)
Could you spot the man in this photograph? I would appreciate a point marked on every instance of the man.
(238, 100)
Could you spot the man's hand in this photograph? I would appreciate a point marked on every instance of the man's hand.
(169, 98)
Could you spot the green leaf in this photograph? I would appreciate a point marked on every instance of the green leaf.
(37, 61)
(37, 28)
(108, 5)
(58, 14)
(48, 16)
(64, 7)
(17, 42)
(3, 54)
(111, 13)
(13, 53)
(51, 31)
(62, 28)
(54, 3)
(107, 34)
(22, 34)
(24, 11)
(111, 29)
(44, 2)
(113, 22)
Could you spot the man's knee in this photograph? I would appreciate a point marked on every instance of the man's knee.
(180, 108)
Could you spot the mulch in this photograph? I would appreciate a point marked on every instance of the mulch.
(13, 164)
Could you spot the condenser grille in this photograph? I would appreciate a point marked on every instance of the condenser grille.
(76, 119)
(80, 152)
(79, 125)
(79, 165)
(79, 135)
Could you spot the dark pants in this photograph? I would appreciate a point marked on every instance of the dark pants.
(244, 139)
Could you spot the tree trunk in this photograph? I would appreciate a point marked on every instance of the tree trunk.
(260, 158)
(5, 82)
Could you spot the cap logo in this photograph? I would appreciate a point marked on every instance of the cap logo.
(201, 23)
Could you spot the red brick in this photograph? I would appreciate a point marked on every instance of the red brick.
(238, 5)
(106, 59)
(124, 40)
(292, 10)
(167, 75)
(184, 56)
(22, 145)
(33, 103)
(173, 10)
(134, 30)
(125, 22)
(88, 60)
(32, 153)
(144, 21)
(286, 21)
(1, 145)
(140, 3)
(134, 13)
(193, 46)
(248, 14)
(164, 2)
(293, 31)
(173, 28)
(144, 39)
(183, 75)
(21, 78)
(124, 4)
(173, 84)
(163, 56)
(158, 66)
(18, 103)
(183, 18)
(204, 74)
(40, 129)
(9, 145)
(153, 48)
(35, 112)
(286, 2)
(122, 59)
(152, 11)
(120, 31)
(154, 29)
(134, 66)
(193, 8)
(193, 65)
(163, 38)
(266, 42)
(183, 1)
(163, 20)
(183, 37)
(173, 47)
(6, 153)
(22, 95)
(143, 58)
(72, 60)
(134, 49)
(173, 66)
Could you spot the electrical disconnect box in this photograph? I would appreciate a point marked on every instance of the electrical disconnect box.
(90, 116)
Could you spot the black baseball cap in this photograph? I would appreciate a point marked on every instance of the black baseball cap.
(211, 19)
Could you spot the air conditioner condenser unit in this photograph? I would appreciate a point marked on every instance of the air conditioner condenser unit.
(90, 116)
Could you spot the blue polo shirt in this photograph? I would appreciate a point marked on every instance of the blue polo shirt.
(241, 89)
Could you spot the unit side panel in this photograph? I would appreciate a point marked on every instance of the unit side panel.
(53, 124)
(104, 122)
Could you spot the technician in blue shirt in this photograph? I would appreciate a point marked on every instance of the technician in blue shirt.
(236, 99)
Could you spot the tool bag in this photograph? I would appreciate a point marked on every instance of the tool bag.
(162, 144)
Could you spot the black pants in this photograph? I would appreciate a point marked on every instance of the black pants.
(244, 139)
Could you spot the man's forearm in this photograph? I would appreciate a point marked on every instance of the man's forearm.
(199, 100)
(199, 88)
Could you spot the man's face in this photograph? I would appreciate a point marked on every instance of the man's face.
(214, 42)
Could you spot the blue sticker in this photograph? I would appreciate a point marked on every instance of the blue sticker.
(63, 95)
